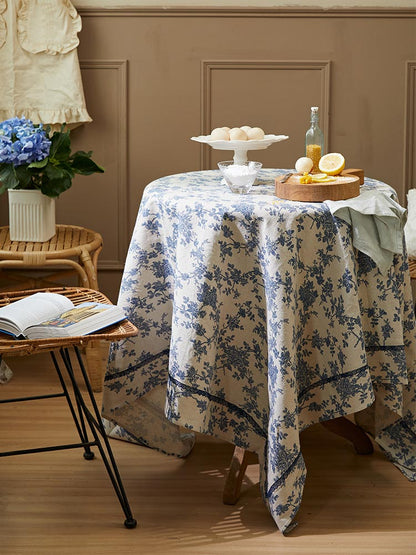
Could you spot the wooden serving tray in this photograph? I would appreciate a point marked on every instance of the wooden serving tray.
(343, 187)
(354, 171)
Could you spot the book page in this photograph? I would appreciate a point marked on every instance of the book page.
(35, 309)
(75, 315)
(84, 318)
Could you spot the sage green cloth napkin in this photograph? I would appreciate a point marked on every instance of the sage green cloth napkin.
(377, 222)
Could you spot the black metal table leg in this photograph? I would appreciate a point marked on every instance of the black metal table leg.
(83, 418)
(78, 421)
(85, 443)
(97, 429)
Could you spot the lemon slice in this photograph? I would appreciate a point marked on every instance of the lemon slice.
(325, 179)
(319, 175)
(332, 163)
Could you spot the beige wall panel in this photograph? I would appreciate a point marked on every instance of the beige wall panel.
(99, 201)
(166, 57)
(165, 99)
(367, 81)
(273, 95)
(410, 128)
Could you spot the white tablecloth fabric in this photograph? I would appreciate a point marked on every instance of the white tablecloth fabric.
(258, 318)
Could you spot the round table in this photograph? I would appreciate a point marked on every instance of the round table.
(257, 318)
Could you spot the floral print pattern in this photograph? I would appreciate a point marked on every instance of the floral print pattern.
(257, 318)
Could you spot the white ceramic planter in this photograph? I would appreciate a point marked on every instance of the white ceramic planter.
(31, 216)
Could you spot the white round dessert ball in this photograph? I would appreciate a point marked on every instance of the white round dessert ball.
(255, 133)
(245, 128)
(237, 134)
(303, 165)
(219, 134)
(225, 128)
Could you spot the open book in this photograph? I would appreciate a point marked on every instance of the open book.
(43, 315)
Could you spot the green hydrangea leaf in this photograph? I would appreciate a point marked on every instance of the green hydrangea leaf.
(24, 177)
(60, 146)
(55, 181)
(8, 177)
(40, 164)
(81, 163)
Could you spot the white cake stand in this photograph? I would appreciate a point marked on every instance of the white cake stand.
(241, 147)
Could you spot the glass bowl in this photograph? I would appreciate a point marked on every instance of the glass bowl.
(239, 177)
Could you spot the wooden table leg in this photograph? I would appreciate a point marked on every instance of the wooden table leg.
(340, 426)
(235, 476)
(345, 428)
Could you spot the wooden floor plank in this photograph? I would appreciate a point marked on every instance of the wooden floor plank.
(59, 503)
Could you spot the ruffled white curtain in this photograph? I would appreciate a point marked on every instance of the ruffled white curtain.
(40, 74)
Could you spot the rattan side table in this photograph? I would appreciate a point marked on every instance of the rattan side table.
(72, 249)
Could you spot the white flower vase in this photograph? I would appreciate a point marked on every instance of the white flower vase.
(31, 215)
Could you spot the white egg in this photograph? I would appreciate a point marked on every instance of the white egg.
(303, 165)
(225, 128)
(237, 134)
(245, 128)
(219, 134)
(256, 133)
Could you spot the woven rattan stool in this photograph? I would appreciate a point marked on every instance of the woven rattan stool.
(88, 423)
(70, 242)
(71, 249)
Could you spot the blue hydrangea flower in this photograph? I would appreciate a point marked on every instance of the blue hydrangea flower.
(22, 142)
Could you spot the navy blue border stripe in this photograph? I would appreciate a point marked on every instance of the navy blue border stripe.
(277, 483)
(151, 358)
(140, 441)
(127, 371)
(331, 379)
(384, 347)
(223, 402)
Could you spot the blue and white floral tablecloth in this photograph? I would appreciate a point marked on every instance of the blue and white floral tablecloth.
(257, 318)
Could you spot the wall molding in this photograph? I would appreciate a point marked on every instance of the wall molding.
(121, 144)
(163, 11)
(208, 66)
(409, 173)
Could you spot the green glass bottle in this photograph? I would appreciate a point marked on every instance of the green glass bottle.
(314, 140)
